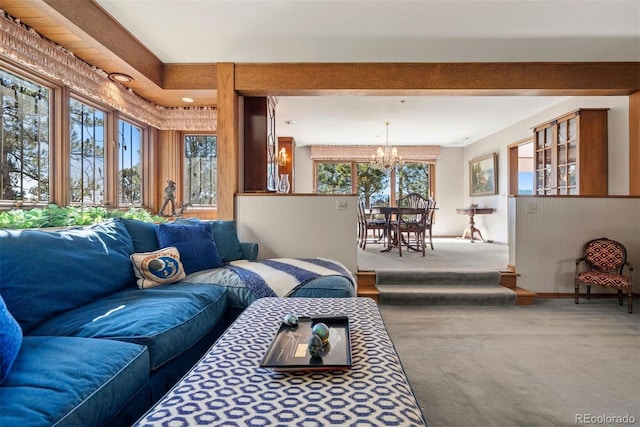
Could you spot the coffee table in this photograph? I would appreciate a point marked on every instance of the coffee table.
(228, 387)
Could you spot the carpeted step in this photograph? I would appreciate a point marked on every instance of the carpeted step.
(440, 278)
(450, 294)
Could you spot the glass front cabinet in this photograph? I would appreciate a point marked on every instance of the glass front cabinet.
(571, 154)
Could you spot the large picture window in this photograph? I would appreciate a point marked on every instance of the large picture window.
(200, 170)
(24, 137)
(375, 187)
(87, 154)
(129, 173)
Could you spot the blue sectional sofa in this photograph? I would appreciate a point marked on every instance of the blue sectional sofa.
(98, 322)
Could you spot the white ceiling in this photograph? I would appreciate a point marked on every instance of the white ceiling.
(209, 31)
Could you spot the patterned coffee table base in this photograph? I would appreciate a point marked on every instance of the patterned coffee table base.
(228, 387)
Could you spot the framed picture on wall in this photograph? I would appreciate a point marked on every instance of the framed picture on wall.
(483, 172)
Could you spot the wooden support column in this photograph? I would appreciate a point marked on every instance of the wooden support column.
(634, 144)
(228, 140)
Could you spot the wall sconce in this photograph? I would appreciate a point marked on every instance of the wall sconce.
(282, 157)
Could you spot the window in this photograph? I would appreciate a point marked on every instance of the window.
(333, 178)
(24, 137)
(373, 185)
(200, 170)
(87, 161)
(129, 137)
(413, 178)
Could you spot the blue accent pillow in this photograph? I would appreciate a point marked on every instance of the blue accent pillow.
(10, 340)
(195, 243)
(143, 234)
(226, 238)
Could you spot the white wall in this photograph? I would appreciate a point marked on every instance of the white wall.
(304, 170)
(449, 193)
(550, 232)
(300, 226)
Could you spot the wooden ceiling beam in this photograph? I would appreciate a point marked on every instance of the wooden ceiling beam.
(87, 18)
(517, 78)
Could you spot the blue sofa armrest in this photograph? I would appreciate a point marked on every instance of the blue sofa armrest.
(249, 250)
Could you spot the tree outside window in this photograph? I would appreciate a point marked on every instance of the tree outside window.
(333, 178)
(413, 178)
(373, 185)
(200, 170)
(87, 154)
(24, 137)
(129, 176)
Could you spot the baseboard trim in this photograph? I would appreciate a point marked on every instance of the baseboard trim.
(572, 295)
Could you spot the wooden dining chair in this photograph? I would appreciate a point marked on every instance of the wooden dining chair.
(411, 227)
(367, 225)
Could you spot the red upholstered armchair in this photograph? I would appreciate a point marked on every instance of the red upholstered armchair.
(605, 261)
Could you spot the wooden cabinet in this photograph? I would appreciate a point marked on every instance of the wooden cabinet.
(259, 144)
(571, 154)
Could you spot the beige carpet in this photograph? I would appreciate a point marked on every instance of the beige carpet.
(532, 366)
(449, 254)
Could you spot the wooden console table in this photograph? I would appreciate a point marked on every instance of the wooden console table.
(471, 228)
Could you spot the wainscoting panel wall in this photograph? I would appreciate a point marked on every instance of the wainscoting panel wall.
(300, 225)
(547, 234)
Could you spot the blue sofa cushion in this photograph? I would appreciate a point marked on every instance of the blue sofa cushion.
(157, 267)
(45, 273)
(70, 381)
(10, 340)
(195, 243)
(226, 238)
(168, 319)
(143, 235)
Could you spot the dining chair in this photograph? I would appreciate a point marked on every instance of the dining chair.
(431, 209)
(365, 225)
(412, 226)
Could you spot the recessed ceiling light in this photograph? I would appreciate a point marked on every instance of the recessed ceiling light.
(186, 99)
(120, 78)
(290, 122)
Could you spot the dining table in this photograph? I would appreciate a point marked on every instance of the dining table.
(391, 212)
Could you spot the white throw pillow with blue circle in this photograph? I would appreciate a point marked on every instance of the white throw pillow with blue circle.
(158, 267)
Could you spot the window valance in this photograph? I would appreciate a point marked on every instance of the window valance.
(25, 46)
(364, 153)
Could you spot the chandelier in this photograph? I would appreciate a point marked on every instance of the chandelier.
(386, 157)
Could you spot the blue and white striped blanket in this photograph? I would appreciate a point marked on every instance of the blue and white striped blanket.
(278, 277)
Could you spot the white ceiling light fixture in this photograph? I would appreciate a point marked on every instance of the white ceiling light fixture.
(120, 78)
(187, 99)
(386, 157)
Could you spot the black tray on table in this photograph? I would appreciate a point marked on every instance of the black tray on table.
(289, 349)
